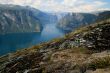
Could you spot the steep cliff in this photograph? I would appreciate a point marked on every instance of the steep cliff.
(15, 18)
(75, 20)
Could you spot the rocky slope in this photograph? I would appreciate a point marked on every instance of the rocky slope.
(15, 18)
(75, 20)
(84, 51)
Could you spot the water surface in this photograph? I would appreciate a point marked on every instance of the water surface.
(14, 41)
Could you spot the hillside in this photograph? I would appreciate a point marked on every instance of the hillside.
(84, 51)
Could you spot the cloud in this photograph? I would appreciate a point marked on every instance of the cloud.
(62, 5)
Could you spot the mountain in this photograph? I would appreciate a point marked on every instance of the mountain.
(85, 50)
(14, 18)
(75, 20)
(47, 18)
(103, 15)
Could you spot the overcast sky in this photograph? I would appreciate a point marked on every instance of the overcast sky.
(63, 5)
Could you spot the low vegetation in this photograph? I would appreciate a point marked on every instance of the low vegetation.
(100, 63)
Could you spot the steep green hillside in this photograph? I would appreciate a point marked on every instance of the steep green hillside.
(84, 51)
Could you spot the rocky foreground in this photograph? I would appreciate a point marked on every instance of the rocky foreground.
(84, 51)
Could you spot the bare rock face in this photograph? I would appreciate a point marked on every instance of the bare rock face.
(18, 19)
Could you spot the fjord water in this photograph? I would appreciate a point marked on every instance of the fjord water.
(14, 41)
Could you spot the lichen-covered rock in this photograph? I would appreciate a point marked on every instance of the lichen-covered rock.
(99, 37)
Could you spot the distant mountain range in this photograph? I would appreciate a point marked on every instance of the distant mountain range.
(17, 19)
(75, 20)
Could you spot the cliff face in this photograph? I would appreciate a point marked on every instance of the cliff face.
(18, 19)
(75, 20)
(84, 51)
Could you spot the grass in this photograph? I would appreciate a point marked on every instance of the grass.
(100, 62)
(82, 50)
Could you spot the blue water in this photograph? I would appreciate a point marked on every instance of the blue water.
(14, 41)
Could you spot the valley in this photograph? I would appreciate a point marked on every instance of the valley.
(34, 41)
(31, 26)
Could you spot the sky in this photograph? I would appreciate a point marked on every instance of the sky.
(63, 5)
